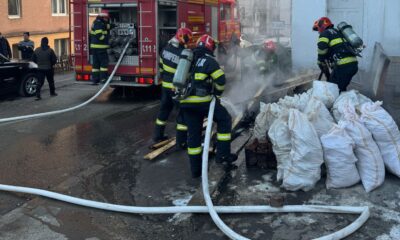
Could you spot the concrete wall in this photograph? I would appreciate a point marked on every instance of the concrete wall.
(380, 23)
(304, 40)
(391, 36)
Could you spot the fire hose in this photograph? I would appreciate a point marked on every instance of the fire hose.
(209, 208)
(45, 114)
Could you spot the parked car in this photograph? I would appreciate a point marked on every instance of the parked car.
(18, 76)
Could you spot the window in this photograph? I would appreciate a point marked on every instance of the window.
(94, 11)
(59, 7)
(225, 12)
(14, 8)
(61, 47)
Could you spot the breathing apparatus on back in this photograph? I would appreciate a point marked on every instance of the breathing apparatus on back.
(355, 43)
(181, 76)
(181, 79)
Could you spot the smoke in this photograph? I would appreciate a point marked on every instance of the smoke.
(247, 81)
(261, 20)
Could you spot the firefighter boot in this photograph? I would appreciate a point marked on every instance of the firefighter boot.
(228, 159)
(159, 134)
(195, 166)
(181, 140)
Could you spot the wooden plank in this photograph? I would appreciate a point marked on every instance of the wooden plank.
(158, 152)
(162, 144)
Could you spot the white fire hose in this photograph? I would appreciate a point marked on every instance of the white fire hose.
(210, 208)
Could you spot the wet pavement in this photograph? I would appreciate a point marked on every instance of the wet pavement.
(94, 153)
(97, 153)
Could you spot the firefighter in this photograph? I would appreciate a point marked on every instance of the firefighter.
(267, 59)
(168, 63)
(333, 50)
(99, 36)
(207, 79)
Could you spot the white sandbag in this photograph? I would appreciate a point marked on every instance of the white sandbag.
(288, 102)
(370, 163)
(306, 154)
(362, 99)
(281, 143)
(345, 100)
(302, 103)
(319, 116)
(268, 114)
(385, 133)
(339, 159)
(298, 101)
(350, 98)
(326, 92)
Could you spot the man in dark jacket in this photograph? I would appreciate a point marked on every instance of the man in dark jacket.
(45, 58)
(26, 47)
(5, 47)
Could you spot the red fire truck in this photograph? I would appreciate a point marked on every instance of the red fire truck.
(148, 25)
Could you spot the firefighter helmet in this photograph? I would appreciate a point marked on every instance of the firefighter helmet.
(206, 41)
(269, 45)
(104, 13)
(184, 35)
(321, 24)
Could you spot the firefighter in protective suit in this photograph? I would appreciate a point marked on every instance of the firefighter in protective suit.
(207, 79)
(99, 36)
(267, 59)
(334, 50)
(168, 64)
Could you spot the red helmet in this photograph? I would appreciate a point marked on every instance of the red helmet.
(321, 24)
(104, 13)
(207, 42)
(184, 35)
(269, 45)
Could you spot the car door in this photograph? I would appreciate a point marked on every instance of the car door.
(8, 76)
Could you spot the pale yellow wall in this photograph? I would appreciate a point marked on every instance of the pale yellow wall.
(37, 38)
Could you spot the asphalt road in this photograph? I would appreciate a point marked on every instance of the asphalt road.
(94, 153)
(97, 153)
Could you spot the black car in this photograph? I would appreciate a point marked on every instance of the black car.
(20, 76)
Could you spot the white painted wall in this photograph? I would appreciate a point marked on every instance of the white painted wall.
(304, 40)
(391, 36)
(381, 23)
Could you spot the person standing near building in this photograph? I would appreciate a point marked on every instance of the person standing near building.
(26, 47)
(333, 49)
(5, 47)
(45, 58)
(208, 80)
(99, 37)
(168, 64)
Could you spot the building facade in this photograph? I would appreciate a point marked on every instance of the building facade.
(42, 18)
(267, 18)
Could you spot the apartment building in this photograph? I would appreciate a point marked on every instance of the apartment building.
(42, 18)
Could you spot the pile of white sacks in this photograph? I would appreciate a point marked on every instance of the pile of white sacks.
(356, 143)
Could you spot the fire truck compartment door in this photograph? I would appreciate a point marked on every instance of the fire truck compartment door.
(214, 22)
(147, 37)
